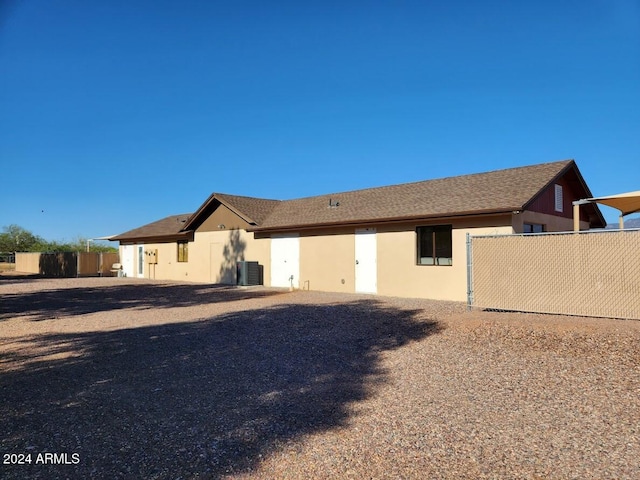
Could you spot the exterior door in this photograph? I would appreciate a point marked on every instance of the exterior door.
(128, 266)
(285, 261)
(366, 261)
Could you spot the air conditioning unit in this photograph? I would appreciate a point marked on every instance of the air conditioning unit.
(248, 273)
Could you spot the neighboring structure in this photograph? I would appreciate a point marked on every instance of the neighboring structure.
(401, 240)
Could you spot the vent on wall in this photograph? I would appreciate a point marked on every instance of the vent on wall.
(558, 197)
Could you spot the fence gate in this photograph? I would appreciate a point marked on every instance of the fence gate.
(593, 273)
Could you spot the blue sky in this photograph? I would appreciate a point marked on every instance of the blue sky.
(115, 113)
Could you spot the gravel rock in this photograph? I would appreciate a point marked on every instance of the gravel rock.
(151, 379)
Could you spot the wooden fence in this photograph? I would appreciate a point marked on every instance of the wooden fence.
(67, 264)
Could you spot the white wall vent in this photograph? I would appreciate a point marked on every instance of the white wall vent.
(558, 197)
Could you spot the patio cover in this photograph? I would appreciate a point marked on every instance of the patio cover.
(627, 203)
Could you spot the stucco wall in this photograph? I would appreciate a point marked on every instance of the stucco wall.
(552, 223)
(222, 219)
(328, 257)
(211, 257)
(218, 244)
(215, 255)
(400, 275)
(167, 267)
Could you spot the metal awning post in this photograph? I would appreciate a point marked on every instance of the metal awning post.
(576, 214)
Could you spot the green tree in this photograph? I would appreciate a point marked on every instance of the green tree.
(17, 239)
(79, 244)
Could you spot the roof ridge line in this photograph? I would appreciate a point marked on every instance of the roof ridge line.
(404, 184)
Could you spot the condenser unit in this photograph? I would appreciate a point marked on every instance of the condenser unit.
(248, 273)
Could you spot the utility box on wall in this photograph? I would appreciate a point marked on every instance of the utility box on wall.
(152, 256)
(248, 273)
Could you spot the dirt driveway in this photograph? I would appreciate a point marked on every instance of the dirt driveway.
(124, 378)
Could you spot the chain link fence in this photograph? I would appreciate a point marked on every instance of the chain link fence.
(7, 257)
(593, 273)
(7, 261)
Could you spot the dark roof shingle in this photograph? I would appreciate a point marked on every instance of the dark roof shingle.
(256, 210)
(250, 209)
(167, 227)
(496, 191)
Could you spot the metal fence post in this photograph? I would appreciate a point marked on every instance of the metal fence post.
(469, 273)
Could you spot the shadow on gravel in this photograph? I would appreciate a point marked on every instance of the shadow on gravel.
(199, 399)
(64, 302)
(7, 278)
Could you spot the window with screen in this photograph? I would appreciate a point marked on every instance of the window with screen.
(434, 245)
(183, 251)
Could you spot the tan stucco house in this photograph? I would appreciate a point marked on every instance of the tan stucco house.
(401, 240)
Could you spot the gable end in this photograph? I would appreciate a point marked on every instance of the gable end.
(567, 187)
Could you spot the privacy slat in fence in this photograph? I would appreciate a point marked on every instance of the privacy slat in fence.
(587, 273)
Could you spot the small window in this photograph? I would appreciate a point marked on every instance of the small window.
(532, 228)
(558, 198)
(140, 260)
(434, 245)
(183, 251)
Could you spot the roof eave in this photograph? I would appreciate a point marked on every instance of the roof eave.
(154, 238)
(387, 220)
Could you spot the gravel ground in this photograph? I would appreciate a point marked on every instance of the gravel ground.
(129, 378)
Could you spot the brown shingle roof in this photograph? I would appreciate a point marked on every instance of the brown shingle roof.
(252, 210)
(167, 227)
(482, 193)
(496, 191)
(255, 210)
